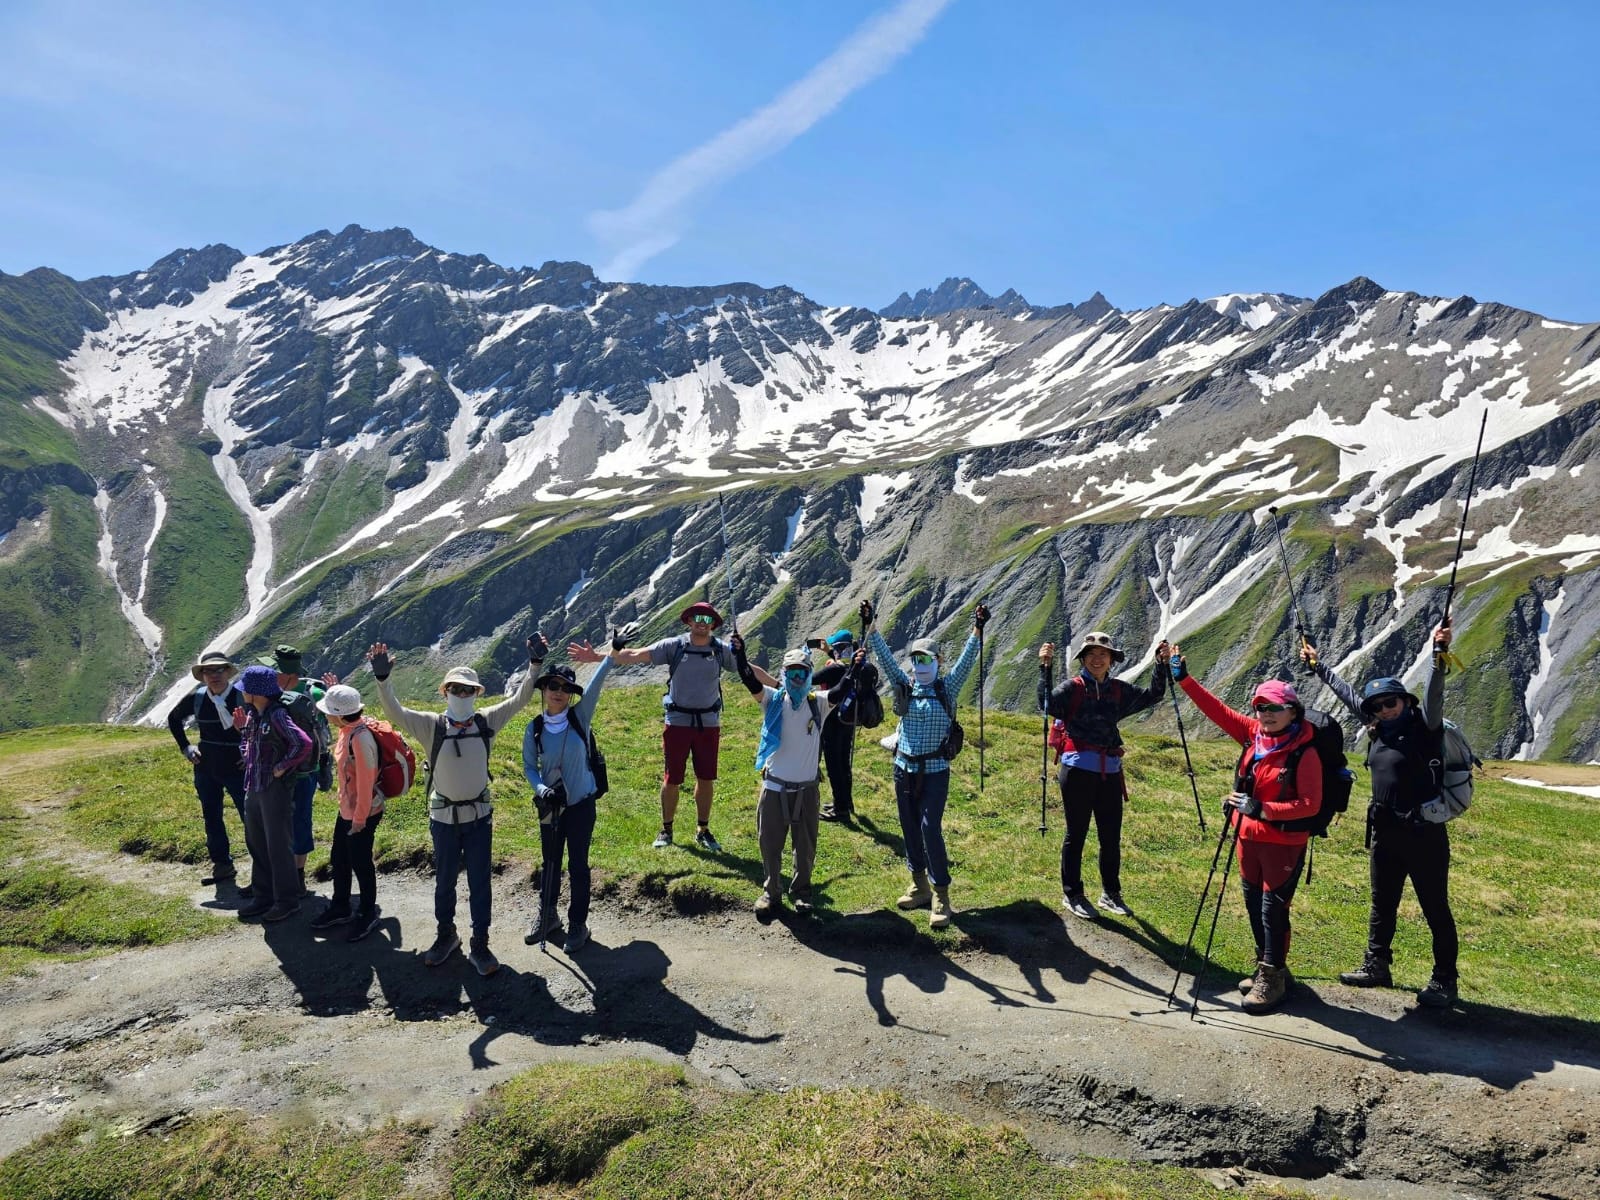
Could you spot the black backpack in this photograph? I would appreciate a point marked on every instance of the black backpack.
(597, 760)
(1327, 739)
(305, 713)
(863, 706)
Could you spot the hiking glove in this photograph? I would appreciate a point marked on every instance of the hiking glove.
(866, 613)
(1248, 805)
(192, 753)
(381, 666)
(1178, 667)
(980, 617)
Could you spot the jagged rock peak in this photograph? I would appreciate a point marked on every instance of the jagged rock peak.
(954, 294)
(1359, 290)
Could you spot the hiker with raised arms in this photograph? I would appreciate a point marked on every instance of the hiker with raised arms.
(275, 748)
(1403, 753)
(1093, 786)
(361, 801)
(556, 759)
(925, 700)
(692, 724)
(838, 731)
(460, 806)
(218, 767)
(1277, 786)
(787, 758)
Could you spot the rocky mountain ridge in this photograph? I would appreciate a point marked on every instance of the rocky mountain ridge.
(357, 432)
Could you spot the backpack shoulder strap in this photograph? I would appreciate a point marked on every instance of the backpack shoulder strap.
(816, 709)
(536, 726)
(438, 740)
(1075, 696)
(1291, 771)
(678, 651)
(481, 723)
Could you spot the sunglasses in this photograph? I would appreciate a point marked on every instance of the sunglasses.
(460, 689)
(703, 619)
(213, 670)
(559, 687)
(797, 676)
(924, 659)
(1272, 708)
(1384, 703)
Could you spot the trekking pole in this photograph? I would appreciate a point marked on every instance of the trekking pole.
(1183, 959)
(1294, 596)
(1222, 891)
(727, 562)
(551, 880)
(982, 677)
(1472, 483)
(1044, 760)
(1188, 763)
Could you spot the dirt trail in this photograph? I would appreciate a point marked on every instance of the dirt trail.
(1063, 1031)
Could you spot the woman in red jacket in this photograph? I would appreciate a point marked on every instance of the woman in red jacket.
(1263, 801)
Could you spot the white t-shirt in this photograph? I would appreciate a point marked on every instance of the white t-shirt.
(799, 740)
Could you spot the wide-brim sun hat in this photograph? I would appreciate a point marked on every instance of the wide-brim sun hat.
(565, 676)
(286, 660)
(213, 658)
(1378, 689)
(699, 608)
(464, 675)
(1102, 641)
(342, 700)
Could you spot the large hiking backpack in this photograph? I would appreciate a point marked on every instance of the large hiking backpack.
(955, 737)
(1327, 739)
(713, 652)
(597, 760)
(1452, 773)
(863, 707)
(397, 762)
(305, 713)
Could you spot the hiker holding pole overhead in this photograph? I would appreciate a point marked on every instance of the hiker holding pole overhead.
(557, 763)
(692, 726)
(1278, 783)
(1093, 786)
(927, 738)
(839, 733)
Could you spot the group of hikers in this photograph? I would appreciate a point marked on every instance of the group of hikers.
(269, 746)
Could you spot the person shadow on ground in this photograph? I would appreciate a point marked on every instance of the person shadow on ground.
(1033, 935)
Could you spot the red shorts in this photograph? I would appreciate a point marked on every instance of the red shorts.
(678, 742)
(1268, 864)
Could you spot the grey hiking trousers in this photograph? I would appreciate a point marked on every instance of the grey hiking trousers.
(269, 834)
(797, 809)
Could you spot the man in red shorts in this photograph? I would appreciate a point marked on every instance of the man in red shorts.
(692, 730)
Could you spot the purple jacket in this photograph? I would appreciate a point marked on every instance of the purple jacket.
(272, 740)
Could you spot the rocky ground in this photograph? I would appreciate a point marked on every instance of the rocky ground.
(1065, 1031)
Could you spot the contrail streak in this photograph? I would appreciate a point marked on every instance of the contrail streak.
(656, 217)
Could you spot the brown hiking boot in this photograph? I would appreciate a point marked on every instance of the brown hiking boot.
(1248, 983)
(1270, 986)
(940, 917)
(917, 895)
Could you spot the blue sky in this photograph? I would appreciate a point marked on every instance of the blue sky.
(1153, 152)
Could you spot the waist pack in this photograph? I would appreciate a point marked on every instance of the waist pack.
(1452, 774)
(397, 762)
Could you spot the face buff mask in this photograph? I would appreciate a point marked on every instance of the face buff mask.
(459, 708)
(796, 686)
(924, 672)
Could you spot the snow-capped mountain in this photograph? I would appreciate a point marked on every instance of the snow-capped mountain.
(358, 433)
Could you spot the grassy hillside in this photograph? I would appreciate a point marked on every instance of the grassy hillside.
(1528, 937)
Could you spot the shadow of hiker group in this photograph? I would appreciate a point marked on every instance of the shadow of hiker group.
(629, 996)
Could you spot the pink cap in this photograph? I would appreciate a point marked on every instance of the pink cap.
(1276, 691)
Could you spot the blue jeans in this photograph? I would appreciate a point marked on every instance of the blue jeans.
(454, 845)
(574, 831)
(920, 797)
(305, 787)
(210, 788)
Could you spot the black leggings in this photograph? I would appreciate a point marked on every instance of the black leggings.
(352, 853)
(1401, 848)
(1085, 795)
(837, 739)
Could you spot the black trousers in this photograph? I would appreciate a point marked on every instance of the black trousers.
(1403, 849)
(837, 740)
(1087, 795)
(351, 854)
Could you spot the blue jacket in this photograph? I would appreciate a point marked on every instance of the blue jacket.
(566, 755)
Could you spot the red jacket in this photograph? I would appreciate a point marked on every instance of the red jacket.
(1305, 797)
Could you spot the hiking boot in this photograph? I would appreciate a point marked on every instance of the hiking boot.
(1248, 983)
(245, 892)
(334, 914)
(940, 916)
(766, 907)
(363, 923)
(1112, 903)
(281, 911)
(1373, 972)
(917, 895)
(254, 910)
(834, 812)
(801, 901)
(446, 944)
(577, 939)
(480, 956)
(220, 873)
(545, 928)
(1267, 993)
(703, 839)
(1078, 905)
(1439, 993)
(663, 840)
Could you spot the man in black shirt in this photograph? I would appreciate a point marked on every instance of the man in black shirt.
(218, 767)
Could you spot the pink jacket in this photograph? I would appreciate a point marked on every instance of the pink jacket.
(355, 757)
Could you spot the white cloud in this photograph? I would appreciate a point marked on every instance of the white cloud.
(656, 217)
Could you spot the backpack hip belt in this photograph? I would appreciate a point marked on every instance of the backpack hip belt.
(697, 713)
(1068, 746)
